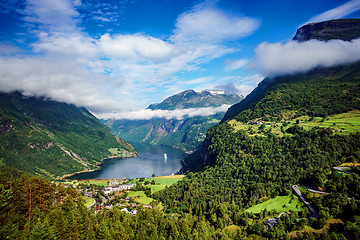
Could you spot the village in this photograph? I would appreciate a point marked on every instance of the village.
(126, 194)
(114, 194)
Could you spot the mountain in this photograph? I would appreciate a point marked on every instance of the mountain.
(344, 29)
(291, 129)
(50, 138)
(185, 133)
(197, 99)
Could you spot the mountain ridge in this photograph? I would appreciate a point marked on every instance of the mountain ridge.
(50, 138)
(196, 99)
(343, 29)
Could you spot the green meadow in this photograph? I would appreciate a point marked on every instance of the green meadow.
(279, 204)
(161, 182)
(89, 201)
(343, 123)
(140, 197)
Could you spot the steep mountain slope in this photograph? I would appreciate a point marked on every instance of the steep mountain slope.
(290, 129)
(344, 29)
(278, 102)
(184, 133)
(49, 138)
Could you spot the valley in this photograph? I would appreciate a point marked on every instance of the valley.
(281, 163)
(184, 132)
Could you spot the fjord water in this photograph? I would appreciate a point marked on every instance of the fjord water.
(150, 160)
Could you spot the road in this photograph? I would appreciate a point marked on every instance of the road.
(341, 169)
(314, 191)
(315, 214)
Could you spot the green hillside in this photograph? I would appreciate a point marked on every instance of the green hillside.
(49, 138)
(290, 130)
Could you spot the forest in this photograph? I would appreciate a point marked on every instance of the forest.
(236, 170)
(231, 172)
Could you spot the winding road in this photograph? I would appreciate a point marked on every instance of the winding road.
(315, 214)
(341, 169)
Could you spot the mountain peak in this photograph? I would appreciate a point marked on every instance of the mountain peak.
(344, 29)
(197, 99)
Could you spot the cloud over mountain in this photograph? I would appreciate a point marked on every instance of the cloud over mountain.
(147, 114)
(295, 57)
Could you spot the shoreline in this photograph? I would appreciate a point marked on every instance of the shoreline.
(107, 179)
(98, 167)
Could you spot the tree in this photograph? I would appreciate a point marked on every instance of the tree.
(5, 197)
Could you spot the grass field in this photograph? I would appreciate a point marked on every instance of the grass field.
(341, 123)
(99, 182)
(142, 197)
(89, 201)
(344, 122)
(279, 204)
(161, 182)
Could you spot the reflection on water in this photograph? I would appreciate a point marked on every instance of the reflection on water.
(150, 160)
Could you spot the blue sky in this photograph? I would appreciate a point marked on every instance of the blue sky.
(119, 56)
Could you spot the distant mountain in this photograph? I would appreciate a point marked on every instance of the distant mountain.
(186, 133)
(197, 99)
(49, 138)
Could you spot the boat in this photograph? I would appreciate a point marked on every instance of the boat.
(165, 156)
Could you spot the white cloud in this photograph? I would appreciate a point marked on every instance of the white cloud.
(208, 24)
(69, 44)
(293, 57)
(118, 71)
(198, 80)
(235, 64)
(338, 12)
(54, 14)
(147, 114)
(240, 84)
(8, 49)
(59, 80)
(102, 19)
(136, 47)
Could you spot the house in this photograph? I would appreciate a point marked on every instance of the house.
(148, 206)
(270, 223)
(108, 190)
(257, 122)
(125, 210)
